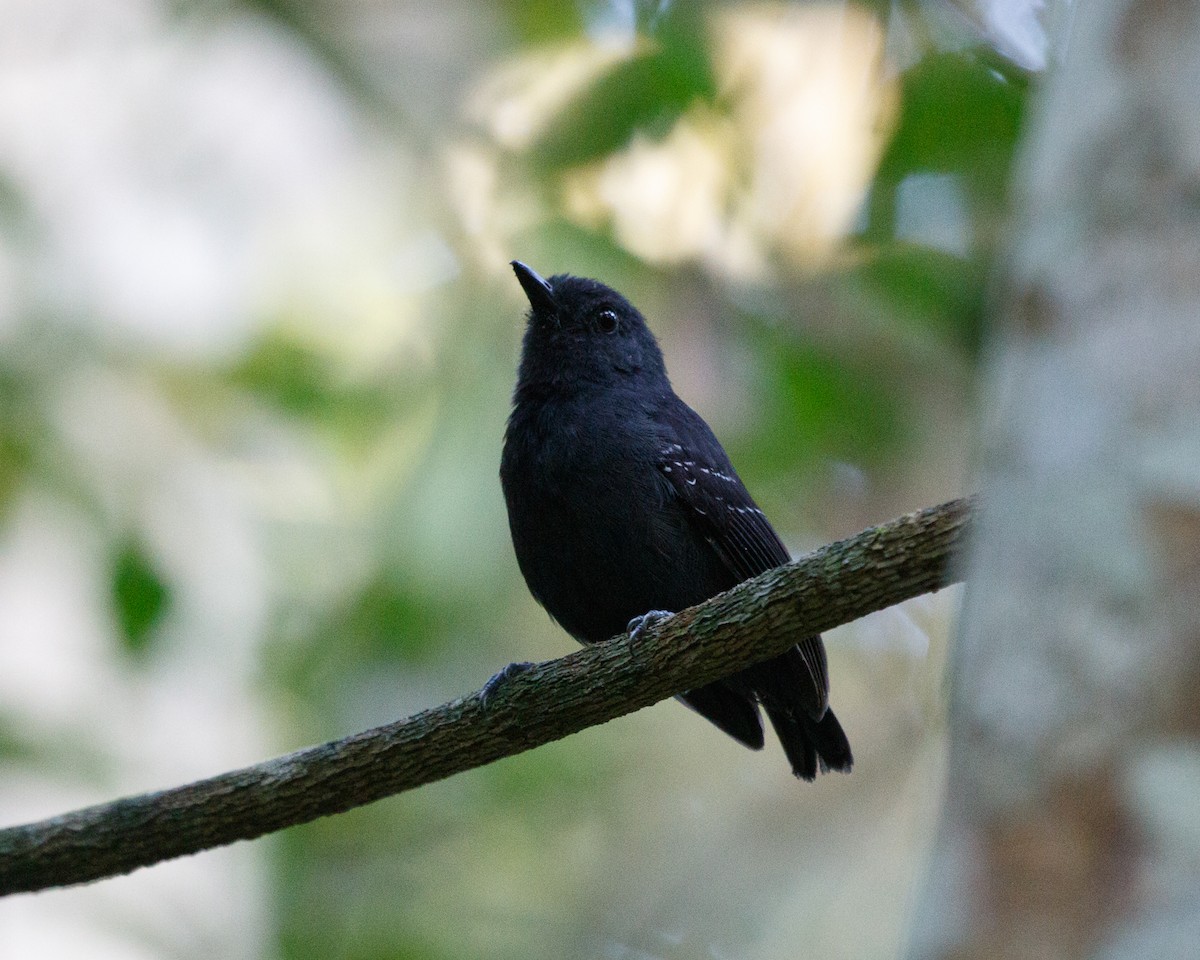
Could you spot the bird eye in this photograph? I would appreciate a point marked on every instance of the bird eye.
(606, 322)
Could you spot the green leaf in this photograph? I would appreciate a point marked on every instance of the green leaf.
(646, 94)
(962, 112)
(17, 431)
(815, 405)
(285, 374)
(539, 21)
(927, 287)
(140, 596)
(387, 621)
(302, 382)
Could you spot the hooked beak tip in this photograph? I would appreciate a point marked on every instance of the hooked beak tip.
(539, 292)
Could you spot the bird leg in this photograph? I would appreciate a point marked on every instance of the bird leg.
(501, 679)
(635, 626)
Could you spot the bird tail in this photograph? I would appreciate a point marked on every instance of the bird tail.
(733, 712)
(811, 745)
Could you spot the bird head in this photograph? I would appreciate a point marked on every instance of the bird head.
(581, 331)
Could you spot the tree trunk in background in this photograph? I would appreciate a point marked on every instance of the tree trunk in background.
(1072, 818)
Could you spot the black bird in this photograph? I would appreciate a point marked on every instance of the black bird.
(621, 502)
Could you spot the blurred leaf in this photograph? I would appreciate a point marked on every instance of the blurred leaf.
(19, 432)
(302, 382)
(386, 623)
(390, 619)
(15, 214)
(287, 375)
(13, 747)
(814, 406)
(961, 113)
(140, 596)
(935, 289)
(644, 95)
(539, 21)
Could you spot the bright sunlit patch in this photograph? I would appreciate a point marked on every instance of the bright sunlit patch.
(666, 201)
(771, 175)
(484, 209)
(779, 177)
(813, 102)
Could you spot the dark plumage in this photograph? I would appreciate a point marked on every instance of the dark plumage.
(621, 501)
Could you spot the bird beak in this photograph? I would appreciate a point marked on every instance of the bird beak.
(539, 292)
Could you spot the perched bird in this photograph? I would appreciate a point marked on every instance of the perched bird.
(622, 502)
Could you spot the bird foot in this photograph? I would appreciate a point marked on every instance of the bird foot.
(635, 626)
(500, 679)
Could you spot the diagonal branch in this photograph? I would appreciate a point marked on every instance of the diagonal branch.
(755, 621)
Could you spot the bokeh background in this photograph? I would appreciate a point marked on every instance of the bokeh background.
(257, 339)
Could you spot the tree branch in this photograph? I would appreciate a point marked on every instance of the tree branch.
(755, 621)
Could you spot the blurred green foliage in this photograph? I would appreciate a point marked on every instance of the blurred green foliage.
(644, 95)
(140, 596)
(18, 431)
(817, 405)
(961, 113)
(939, 291)
(305, 383)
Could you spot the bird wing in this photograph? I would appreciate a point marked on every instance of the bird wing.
(721, 506)
(701, 477)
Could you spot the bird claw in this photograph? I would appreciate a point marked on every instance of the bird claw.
(635, 626)
(498, 680)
